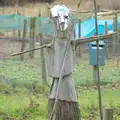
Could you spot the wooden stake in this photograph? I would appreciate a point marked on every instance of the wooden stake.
(97, 69)
(79, 37)
(42, 56)
(23, 40)
(108, 114)
(78, 50)
(43, 62)
(32, 35)
(19, 31)
(116, 38)
(30, 41)
(106, 32)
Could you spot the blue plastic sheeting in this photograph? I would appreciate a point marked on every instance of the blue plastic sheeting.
(44, 26)
(88, 27)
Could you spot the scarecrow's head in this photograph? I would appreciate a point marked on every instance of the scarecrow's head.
(60, 15)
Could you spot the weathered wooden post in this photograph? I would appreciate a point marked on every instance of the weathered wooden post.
(97, 66)
(42, 55)
(106, 32)
(19, 31)
(108, 114)
(32, 35)
(79, 29)
(23, 40)
(78, 50)
(95, 72)
(116, 38)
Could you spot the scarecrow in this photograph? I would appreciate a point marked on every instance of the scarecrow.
(62, 104)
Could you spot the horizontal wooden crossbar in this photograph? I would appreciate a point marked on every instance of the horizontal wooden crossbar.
(77, 42)
(94, 38)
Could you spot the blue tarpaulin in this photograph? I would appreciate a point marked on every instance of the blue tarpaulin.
(43, 25)
(88, 27)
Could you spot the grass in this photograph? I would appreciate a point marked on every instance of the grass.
(14, 106)
(19, 101)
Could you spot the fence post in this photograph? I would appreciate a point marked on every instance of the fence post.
(74, 47)
(32, 35)
(106, 31)
(116, 38)
(79, 29)
(19, 31)
(78, 50)
(108, 114)
(42, 54)
(23, 40)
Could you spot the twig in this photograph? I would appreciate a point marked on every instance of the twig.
(44, 46)
(29, 50)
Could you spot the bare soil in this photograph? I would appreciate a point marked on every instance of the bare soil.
(8, 47)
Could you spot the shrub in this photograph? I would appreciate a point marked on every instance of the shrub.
(9, 2)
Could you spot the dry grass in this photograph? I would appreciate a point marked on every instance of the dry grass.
(27, 10)
(33, 9)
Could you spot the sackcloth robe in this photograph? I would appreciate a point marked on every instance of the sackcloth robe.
(55, 60)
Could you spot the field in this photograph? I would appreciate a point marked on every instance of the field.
(22, 95)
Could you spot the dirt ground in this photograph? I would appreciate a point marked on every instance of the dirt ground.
(8, 47)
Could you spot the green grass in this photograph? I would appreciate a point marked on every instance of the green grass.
(15, 106)
(17, 101)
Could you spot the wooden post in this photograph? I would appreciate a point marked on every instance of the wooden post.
(74, 47)
(79, 29)
(23, 40)
(30, 43)
(78, 50)
(42, 56)
(106, 31)
(97, 69)
(43, 61)
(95, 72)
(19, 31)
(108, 114)
(32, 35)
(116, 38)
